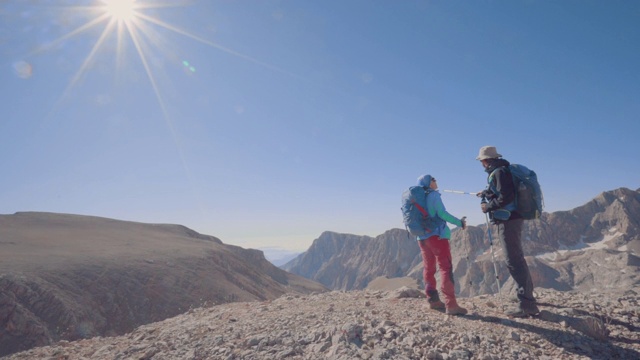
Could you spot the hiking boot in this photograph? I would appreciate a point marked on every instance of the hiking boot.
(436, 305)
(456, 310)
(434, 300)
(522, 313)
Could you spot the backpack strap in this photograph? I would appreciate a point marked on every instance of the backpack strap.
(507, 168)
(422, 210)
(491, 176)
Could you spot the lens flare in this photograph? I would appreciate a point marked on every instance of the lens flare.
(188, 67)
(23, 69)
(131, 23)
(127, 24)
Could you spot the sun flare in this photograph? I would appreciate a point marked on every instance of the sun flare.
(130, 22)
(120, 10)
(127, 30)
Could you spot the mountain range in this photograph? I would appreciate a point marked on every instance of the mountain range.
(594, 246)
(67, 277)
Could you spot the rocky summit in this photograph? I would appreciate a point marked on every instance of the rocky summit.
(377, 325)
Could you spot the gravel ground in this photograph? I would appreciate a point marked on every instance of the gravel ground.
(377, 325)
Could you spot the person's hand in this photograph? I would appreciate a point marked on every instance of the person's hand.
(464, 222)
(484, 207)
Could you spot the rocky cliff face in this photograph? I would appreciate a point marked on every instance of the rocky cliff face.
(594, 245)
(68, 277)
(345, 262)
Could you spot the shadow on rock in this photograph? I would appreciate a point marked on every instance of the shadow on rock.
(589, 328)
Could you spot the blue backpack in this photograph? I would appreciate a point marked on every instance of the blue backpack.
(529, 200)
(414, 211)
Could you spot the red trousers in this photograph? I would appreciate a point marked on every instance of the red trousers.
(437, 251)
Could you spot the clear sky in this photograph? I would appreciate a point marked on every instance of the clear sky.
(265, 123)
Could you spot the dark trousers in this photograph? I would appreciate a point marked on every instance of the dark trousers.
(510, 234)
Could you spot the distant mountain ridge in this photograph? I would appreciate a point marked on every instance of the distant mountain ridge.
(348, 262)
(279, 256)
(593, 245)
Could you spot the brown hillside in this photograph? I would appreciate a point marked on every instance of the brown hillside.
(67, 277)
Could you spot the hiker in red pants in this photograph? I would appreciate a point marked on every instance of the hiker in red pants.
(435, 249)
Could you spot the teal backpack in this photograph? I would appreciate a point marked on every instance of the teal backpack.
(415, 216)
(529, 200)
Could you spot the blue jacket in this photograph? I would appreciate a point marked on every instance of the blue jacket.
(436, 208)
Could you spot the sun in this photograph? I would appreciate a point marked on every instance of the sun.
(120, 10)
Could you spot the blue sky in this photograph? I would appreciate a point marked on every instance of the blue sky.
(265, 123)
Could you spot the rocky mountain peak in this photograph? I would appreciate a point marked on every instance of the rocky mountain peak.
(562, 247)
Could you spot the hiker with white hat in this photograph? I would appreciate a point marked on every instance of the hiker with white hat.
(499, 202)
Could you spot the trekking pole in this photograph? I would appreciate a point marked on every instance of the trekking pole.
(465, 248)
(460, 192)
(493, 258)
